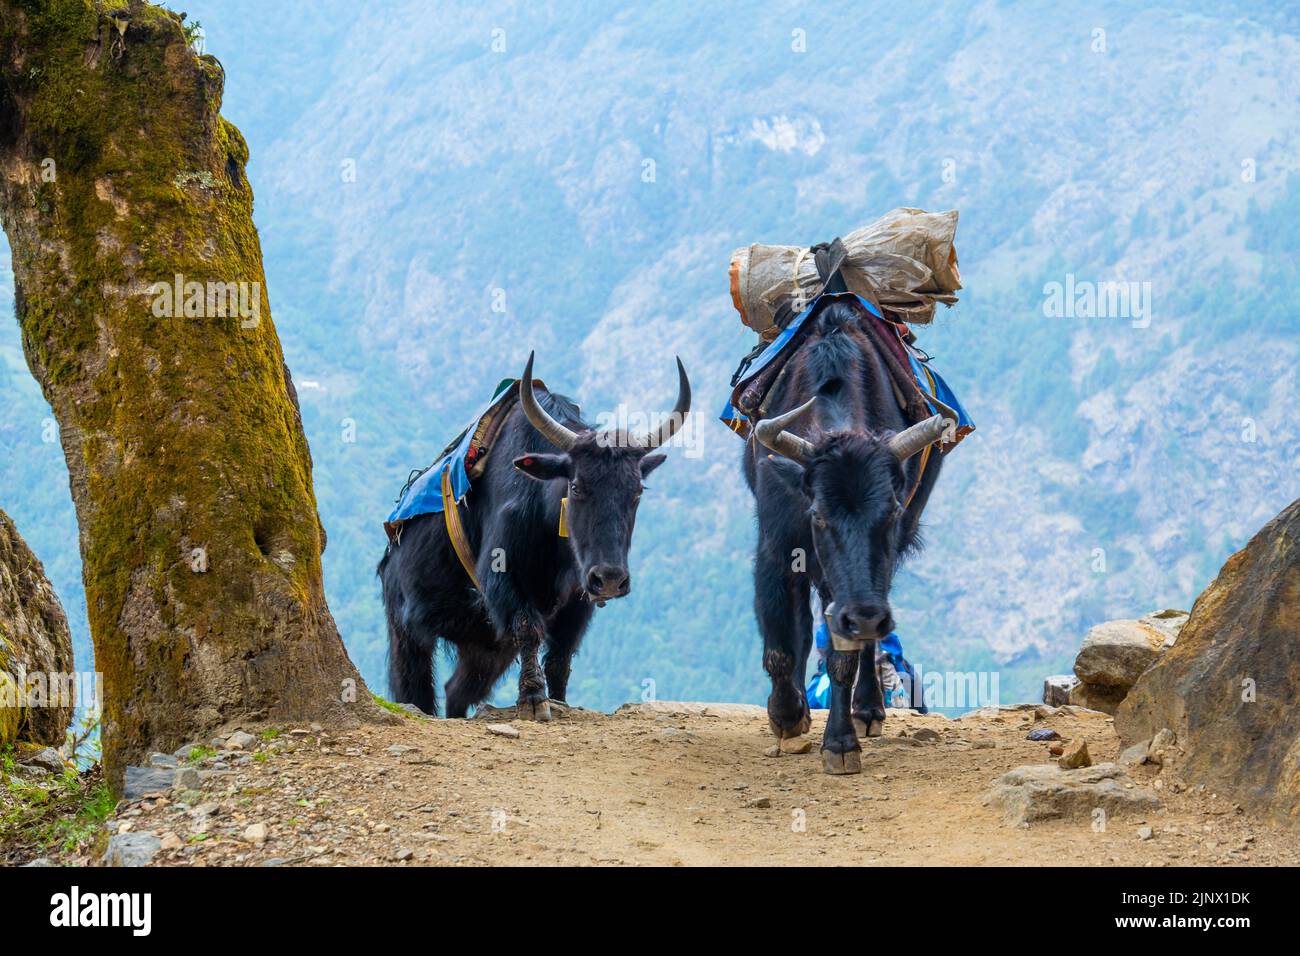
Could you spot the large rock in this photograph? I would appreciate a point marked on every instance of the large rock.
(1048, 792)
(36, 676)
(1116, 653)
(1227, 689)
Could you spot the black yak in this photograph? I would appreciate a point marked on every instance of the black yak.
(538, 588)
(838, 507)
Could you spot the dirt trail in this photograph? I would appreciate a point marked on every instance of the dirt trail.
(672, 785)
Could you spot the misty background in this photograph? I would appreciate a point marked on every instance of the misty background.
(592, 168)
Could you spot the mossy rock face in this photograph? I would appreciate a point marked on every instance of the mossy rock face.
(186, 455)
(36, 678)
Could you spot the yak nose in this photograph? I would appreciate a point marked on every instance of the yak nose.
(606, 580)
(865, 620)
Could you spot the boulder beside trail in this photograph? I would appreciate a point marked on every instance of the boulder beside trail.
(1227, 689)
(1115, 653)
(36, 674)
(1047, 792)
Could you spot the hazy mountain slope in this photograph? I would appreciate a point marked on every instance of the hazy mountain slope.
(521, 176)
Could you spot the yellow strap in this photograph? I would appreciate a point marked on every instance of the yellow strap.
(455, 531)
(564, 518)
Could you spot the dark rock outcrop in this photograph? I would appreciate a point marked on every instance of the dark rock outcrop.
(1228, 688)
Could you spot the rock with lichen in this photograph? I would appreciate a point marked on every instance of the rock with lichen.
(36, 676)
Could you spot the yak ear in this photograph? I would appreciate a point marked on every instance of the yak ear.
(544, 467)
(650, 462)
(789, 473)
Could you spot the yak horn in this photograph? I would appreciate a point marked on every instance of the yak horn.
(669, 428)
(559, 436)
(912, 439)
(771, 432)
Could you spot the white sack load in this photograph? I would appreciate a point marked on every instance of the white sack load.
(905, 259)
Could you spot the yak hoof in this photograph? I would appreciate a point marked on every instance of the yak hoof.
(533, 710)
(848, 762)
(865, 729)
(795, 745)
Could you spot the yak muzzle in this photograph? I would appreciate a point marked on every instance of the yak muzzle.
(606, 582)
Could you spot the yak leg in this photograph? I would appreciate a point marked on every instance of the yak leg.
(781, 606)
(841, 752)
(562, 643)
(868, 698)
(478, 668)
(522, 628)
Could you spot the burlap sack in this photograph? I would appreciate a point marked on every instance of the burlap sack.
(905, 259)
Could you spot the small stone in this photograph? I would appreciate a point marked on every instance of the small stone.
(141, 780)
(132, 849)
(239, 741)
(404, 854)
(1134, 756)
(759, 803)
(171, 841)
(926, 734)
(186, 778)
(396, 750)
(46, 759)
(1043, 733)
(1144, 833)
(256, 833)
(1056, 749)
(316, 728)
(1161, 747)
(1075, 756)
(503, 730)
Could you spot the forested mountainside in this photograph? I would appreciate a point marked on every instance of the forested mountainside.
(438, 195)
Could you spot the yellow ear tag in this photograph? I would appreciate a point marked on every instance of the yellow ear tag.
(564, 512)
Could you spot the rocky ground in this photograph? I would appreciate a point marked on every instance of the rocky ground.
(673, 784)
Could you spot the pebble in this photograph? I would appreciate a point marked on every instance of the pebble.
(256, 833)
(239, 741)
(1144, 833)
(1076, 755)
(503, 730)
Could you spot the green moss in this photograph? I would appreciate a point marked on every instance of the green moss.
(392, 708)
